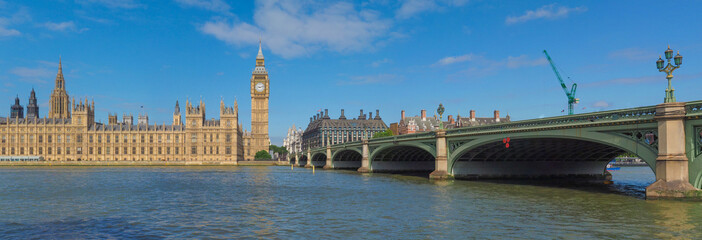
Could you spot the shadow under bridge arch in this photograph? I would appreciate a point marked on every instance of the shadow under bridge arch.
(403, 158)
(347, 159)
(302, 161)
(543, 156)
(319, 159)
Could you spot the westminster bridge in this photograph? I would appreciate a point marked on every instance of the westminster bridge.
(666, 136)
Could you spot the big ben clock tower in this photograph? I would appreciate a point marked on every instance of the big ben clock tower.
(259, 106)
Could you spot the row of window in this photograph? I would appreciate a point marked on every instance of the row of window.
(108, 138)
(124, 150)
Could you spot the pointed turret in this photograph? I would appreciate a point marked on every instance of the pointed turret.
(260, 51)
(60, 84)
(60, 102)
(32, 107)
(177, 108)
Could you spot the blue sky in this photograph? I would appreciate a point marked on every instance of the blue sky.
(387, 55)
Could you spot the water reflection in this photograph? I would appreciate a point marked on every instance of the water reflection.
(674, 220)
(277, 202)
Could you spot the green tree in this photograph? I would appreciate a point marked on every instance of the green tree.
(263, 154)
(386, 133)
(278, 150)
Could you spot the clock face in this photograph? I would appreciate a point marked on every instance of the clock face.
(259, 87)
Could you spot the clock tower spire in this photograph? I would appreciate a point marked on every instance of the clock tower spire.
(259, 107)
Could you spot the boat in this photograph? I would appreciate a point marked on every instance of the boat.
(611, 167)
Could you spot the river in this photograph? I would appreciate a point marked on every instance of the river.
(277, 202)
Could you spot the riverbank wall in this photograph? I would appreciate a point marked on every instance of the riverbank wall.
(142, 163)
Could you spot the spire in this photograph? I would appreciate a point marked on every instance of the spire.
(260, 52)
(177, 108)
(59, 76)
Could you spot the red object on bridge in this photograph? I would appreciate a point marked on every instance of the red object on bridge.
(506, 142)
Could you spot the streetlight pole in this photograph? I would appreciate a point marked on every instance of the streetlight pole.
(668, 69)
(440, 111)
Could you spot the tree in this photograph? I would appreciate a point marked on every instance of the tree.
(386, 133)
(263, 154)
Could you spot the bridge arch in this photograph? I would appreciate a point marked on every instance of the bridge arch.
(303, 160)
(404, 157)
(319, 159)
(347, 158)
(552, 153)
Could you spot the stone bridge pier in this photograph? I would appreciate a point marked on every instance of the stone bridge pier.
(672, 174)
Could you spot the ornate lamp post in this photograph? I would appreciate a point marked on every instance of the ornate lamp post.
(668, 69)
(440, 111)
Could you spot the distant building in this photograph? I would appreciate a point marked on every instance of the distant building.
(293, 140)
(17, 111)
(422, 123)
(322, 130)
(471, 120)
(32, 107)
(393, 128)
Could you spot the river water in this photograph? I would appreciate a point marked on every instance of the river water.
(277, 202)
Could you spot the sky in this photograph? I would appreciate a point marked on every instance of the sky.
(387, 55)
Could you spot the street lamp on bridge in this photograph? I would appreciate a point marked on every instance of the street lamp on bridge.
(668, 69)
(440, 111)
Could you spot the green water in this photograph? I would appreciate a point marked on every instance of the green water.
(276, 202)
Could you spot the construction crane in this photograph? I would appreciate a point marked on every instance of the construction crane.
(569, 93)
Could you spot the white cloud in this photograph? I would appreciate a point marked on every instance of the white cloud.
(128, 4)
(293, 28)
(63, 27)
(524, 61)
(601, 104)
(546, 12)
(409, 8)
(8, 32)
(480, 66)
(634, 54)
(455, 59)
(33, 75)
(380, 62)
(31, 72)
(22, 15)
(210, 5)
(371, 79)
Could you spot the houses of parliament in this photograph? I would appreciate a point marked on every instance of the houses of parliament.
(70, 132)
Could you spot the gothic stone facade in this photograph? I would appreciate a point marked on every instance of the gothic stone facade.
(257, 139)
(323, 130)
(75, 136)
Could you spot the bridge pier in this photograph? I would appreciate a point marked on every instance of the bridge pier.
(441, 167)
(309, 159)
(328, 164)
(672, 174)
(365, 162)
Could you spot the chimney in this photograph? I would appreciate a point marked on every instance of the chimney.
(362, 117)
(326, 113)
(342, 114)
(424, 115)
(450, 119)
(497, 116)
(472, 115)
(370, 115)
(377, 114)
(315, 117)
(310, 119)
(402, 115)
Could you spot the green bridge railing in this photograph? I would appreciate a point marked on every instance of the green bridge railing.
(693, 108)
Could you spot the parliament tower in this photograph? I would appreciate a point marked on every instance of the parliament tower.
(259, 107)
(59, 98)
